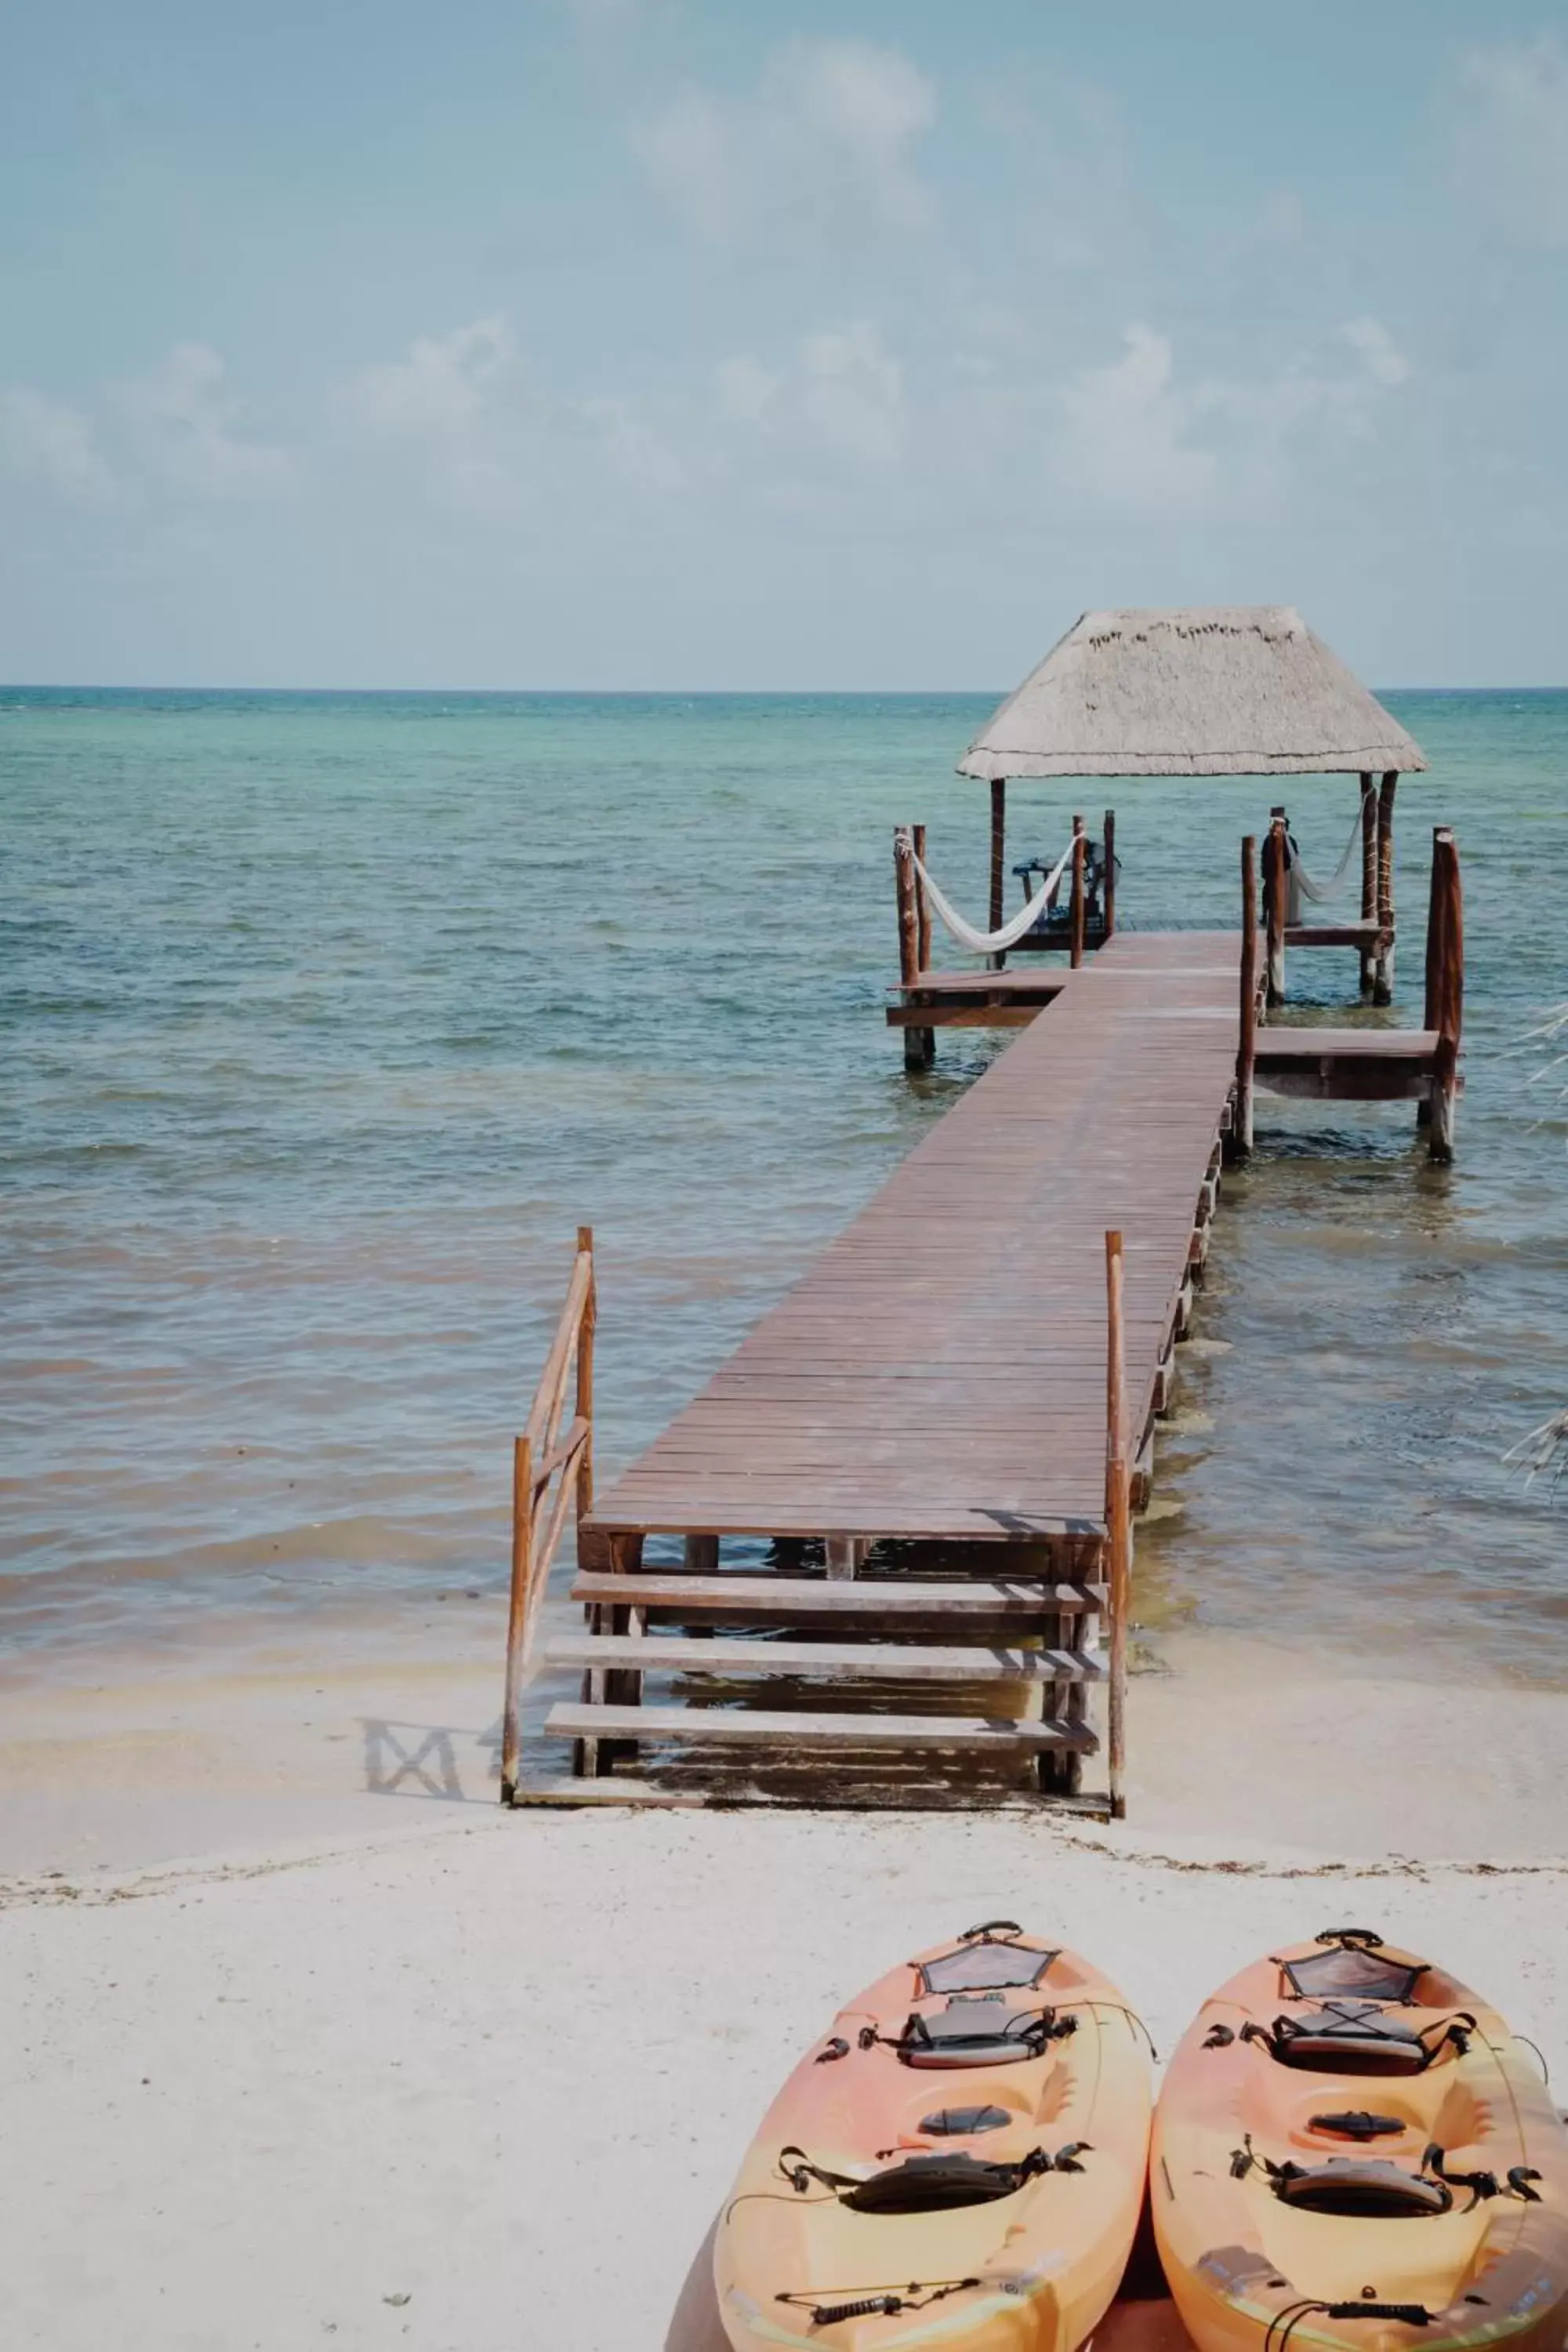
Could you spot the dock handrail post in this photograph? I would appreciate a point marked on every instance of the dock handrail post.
(1247, 1051)
(922, 901)
(998, 858)
(919, 1044)
(1449, 894)
(1368, 874)
(1382, 969)
(1080, 846)
(517, 1612)
(1108, 891)
(1274, 889)
(1118, 1521)
(583, 1498)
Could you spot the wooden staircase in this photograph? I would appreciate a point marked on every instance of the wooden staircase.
(1031, 1634)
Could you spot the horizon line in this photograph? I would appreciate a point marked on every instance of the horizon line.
(628, 693)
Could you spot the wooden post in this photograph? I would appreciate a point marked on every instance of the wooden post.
(1383, 969)
(585, 1331)
(998, 851)
(919, 1044)
(1274, 885)
(1368, 872)
(1118, 1521)
(922, 903)
(1080, 846)
(1432, 1008)
(1451, 994)
(1109, 887)
(517, 1614)
(1241, 1130)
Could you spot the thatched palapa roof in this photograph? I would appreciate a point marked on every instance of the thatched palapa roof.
(1205, 690)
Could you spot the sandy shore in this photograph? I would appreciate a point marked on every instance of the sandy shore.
(306, 2042)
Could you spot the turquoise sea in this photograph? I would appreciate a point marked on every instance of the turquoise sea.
(328, 1017)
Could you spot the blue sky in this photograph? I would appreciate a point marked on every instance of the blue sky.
(621, 344)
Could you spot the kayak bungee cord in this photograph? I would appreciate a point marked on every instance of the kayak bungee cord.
(863, 2302)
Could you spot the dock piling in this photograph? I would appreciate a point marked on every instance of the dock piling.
(919, 1044)
(1446, 992)
(1382, 967)
(922, 900)
(998, 858)
(1108, 891)
(1079, 847)
(1247, 1050)
(1274, 887)
(1368, 876)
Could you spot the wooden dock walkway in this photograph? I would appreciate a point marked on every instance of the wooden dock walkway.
(940, 1372)
(919, 1430)
(929, 1405)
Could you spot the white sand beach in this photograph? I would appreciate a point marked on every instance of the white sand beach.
(308, 2042)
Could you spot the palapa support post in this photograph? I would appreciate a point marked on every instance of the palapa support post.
(1247, 1051)
(1108, 892)
(1368, 875)
(1079, 849)
(922, 899)
(1118, 1521)
(919, 1044)
(1383, 968)
(1275, 881)
(998, 859)
(1448, 908)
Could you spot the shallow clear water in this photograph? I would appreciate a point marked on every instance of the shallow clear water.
(328, 1017)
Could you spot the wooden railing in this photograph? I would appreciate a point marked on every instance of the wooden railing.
(1118, 1520)
(549, 1469)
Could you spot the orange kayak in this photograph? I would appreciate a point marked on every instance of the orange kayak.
(1351, 2151)
(959, 2162)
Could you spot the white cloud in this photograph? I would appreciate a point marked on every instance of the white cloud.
(182, 420)
(465, 402)
(1131, 438)
(443, 384)
(825, 138)
(488, 438)
(834, 416)
(852, 395)
(1122, 439)
(1512, 137)
(45, 442)
(1380, 354)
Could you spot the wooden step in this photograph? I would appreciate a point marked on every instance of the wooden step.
(749, 1729)
(1346, 1064)
(864, 1596)
(841, 1661)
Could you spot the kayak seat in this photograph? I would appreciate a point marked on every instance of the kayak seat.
(1369, 2187)
(976, 2030)
(1346, 2038)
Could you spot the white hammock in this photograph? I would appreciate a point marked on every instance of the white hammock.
(1319, 892)
(996, 943)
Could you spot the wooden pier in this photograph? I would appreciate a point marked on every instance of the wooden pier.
(899, 1514)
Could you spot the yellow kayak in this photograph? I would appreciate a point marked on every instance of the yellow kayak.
(1351, 2153)
(959, 2161)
